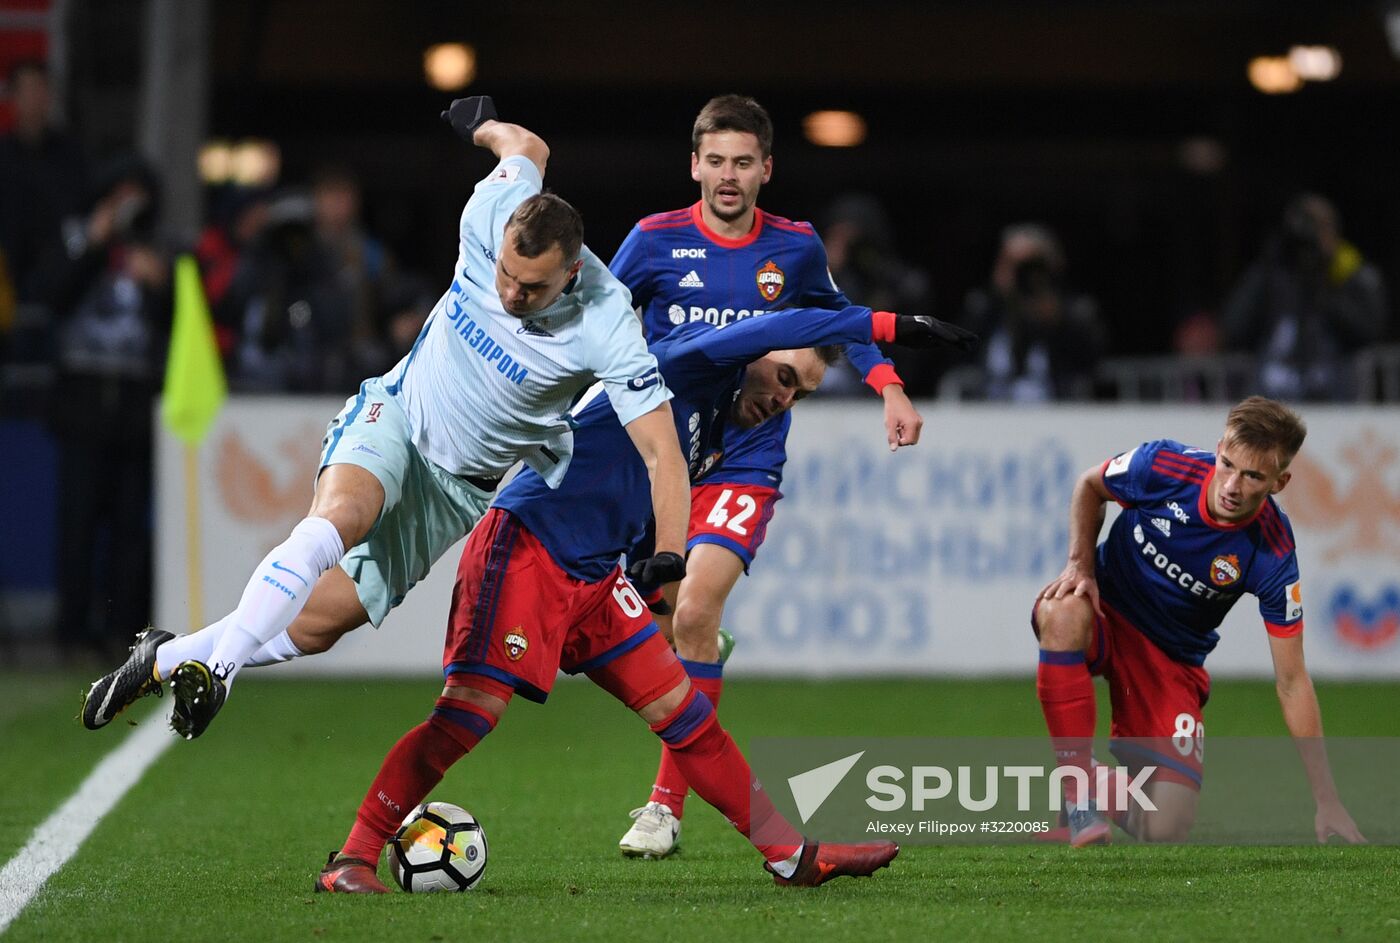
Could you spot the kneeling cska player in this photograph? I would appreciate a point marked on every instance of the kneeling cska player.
(1198, 531)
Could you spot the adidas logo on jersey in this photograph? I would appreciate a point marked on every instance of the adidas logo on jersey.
(692, 280)
(1162, 524)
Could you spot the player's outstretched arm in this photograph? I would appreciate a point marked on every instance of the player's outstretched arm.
(745, 341)
(1086, 513)
(654, 435)
(474, 119)
(1303, 718)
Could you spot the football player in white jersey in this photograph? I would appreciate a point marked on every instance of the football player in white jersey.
(531, 319)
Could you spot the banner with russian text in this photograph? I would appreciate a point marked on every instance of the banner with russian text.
(922, 562)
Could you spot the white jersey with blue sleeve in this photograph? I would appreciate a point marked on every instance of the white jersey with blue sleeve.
(482, 388)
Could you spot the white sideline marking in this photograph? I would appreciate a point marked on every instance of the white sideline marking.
(61, 834)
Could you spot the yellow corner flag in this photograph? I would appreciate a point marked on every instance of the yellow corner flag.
(194, 374)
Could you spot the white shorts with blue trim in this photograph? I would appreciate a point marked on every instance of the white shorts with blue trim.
(426, 509)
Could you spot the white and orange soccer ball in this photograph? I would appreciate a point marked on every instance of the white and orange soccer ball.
(439, 847)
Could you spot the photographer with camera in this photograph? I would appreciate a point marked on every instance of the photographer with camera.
(1041, 342)
(1308, 303)
(105, 273)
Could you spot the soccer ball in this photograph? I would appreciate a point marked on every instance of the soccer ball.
(439, 847)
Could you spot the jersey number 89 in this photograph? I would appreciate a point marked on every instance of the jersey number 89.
(1189, 735)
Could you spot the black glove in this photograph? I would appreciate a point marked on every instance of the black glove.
(654, 571)
(922, 330)
(467, 114)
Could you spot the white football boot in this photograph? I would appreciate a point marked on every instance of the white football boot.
(655, 833)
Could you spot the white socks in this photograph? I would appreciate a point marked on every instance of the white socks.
(280, 649)
(278, 590)
(197, 646)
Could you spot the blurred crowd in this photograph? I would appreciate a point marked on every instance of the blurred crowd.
(1309, 320)
(303, 297)
(306, 299)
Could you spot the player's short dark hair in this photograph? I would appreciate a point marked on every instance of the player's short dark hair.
(1266, 425)
(829, 353)
(542, 222)
(733, 113)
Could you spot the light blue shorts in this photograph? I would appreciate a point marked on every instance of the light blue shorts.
(426, 509)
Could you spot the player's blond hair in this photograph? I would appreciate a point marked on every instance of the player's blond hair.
(1266, 425)
(733, 113)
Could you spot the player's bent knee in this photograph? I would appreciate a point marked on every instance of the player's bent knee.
(666, 704)
(482, 693)
(696, 616)
(333, 611)
(691, 718)
(1066, 624)
(695, 627)
(465, 715)
(711, 572)
(312, 637)
(351, 498)
(1173, 817)
(642, 676)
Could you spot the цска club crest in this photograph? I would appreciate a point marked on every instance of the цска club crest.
(1225, 569)
(771, 281)
(516, 644)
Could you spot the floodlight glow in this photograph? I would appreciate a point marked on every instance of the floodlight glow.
(214, 159)
(255, 163)
(1315, 63)
(1273, 75)
(834, 128)
(449, 66)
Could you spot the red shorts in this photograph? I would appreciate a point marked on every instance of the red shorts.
(1157, 701)
(733, 516)
(518, 617)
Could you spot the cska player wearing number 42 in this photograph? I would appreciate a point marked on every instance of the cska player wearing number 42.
(1198, 530)
(539, 588)
(718, 262)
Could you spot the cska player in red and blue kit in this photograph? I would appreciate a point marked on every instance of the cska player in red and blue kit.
(539, 588)
(721, 261)
(1198, 530)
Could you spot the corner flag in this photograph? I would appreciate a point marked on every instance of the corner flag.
(194, 375)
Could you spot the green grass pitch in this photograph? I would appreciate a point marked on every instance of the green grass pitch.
(223, 836)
